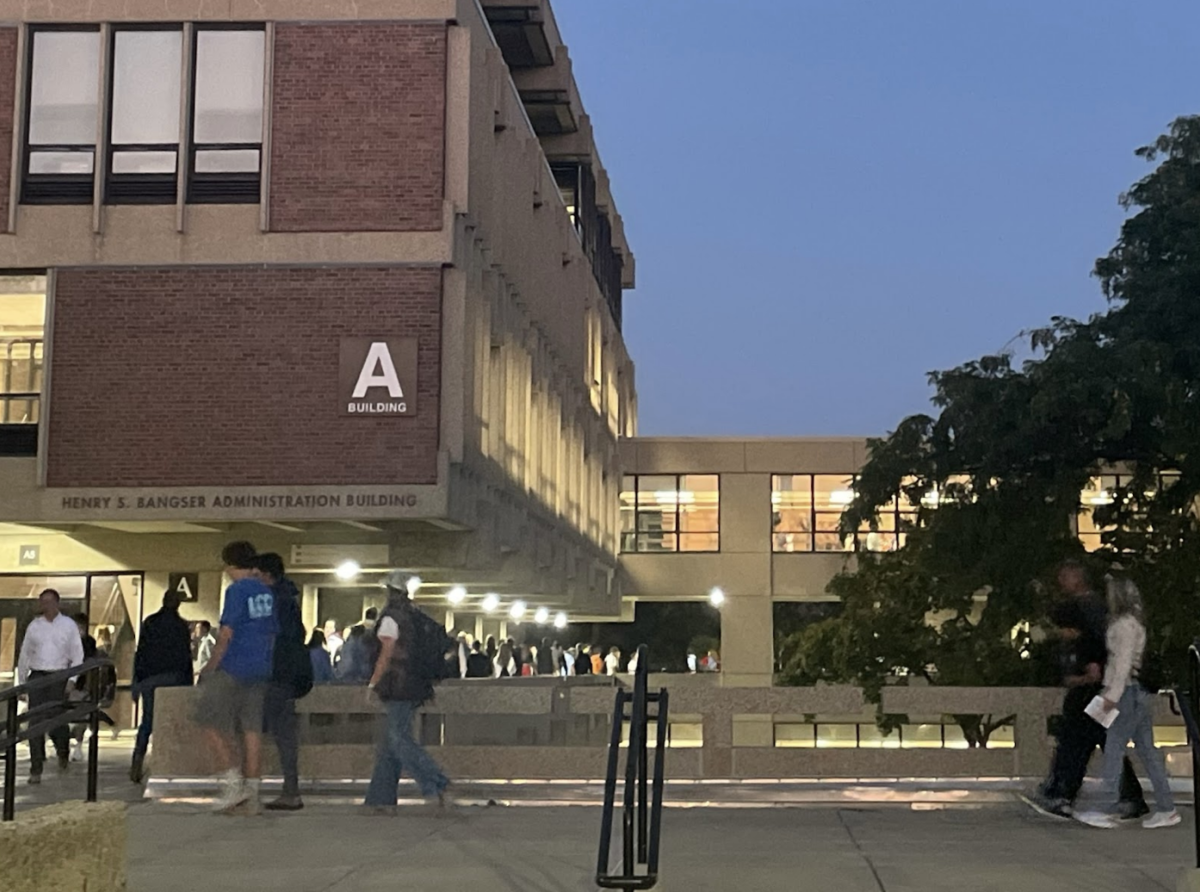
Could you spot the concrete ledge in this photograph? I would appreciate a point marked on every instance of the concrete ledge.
(70, 847)
(1189, 881)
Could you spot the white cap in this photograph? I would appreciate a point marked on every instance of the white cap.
(401, 581)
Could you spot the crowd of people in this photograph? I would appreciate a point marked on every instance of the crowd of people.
(1106, 705)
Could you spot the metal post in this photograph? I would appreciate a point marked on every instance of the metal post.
(10, 761)
(1194, 700)
(640, 683)
(93, 766)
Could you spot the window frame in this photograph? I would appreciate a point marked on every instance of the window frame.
(223, 187)
(637, 535)
(20, 439)
(893, 519)
(57, 189)
(138, 188)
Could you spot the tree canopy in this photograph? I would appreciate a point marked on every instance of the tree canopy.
(993, 478)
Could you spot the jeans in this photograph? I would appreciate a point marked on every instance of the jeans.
(145, 690)
(279, 714)
(398, 750)
(61, 735)
(1135, 722)
(1078, 737)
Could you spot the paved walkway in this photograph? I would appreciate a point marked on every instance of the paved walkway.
(825, 849)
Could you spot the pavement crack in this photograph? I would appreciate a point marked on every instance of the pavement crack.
(861, 852)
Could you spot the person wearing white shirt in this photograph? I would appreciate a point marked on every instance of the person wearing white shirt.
(612, 663)
(51, 644)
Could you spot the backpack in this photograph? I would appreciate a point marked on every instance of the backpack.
(432, 659)
(371, 647)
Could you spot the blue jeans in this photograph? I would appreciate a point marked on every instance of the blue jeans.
(1135, 722)
(145, 690)
(398, 750)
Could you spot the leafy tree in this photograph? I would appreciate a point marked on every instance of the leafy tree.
(994, 478)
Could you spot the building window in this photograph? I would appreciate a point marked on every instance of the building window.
(227, 116)
(22, 332)
(666, 513)
(847, 735)
(1102, 491)
(146, 90)
(806, 510)
(61, 107)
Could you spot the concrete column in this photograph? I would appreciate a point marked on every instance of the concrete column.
(747, 655)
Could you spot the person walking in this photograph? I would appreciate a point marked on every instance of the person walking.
(505, 663)
(583, 660)
(234, 682)
(52, 644)
(322, 668)
(163, 659)
(546, 664)
(1134, 712)
(1082, 619)
(597, 660)
(412, 658)
(205, 642)
(79, 693)
(612, 663)
(291, 678)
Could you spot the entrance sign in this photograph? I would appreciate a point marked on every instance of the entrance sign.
(378, 376)
(186, 585)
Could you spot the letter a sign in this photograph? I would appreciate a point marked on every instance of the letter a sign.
(186, 585)
(378, 376)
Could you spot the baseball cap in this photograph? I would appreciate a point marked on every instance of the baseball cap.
(402, 581)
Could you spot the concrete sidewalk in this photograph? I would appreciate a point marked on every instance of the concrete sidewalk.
(524, 849)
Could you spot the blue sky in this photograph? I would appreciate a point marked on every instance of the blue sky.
(829, 199)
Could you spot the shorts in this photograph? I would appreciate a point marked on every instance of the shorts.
(230, 706)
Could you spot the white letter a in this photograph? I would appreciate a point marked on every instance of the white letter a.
(378, 357)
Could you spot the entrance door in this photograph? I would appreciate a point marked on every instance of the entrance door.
(19, 607)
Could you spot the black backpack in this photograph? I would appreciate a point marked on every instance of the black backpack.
(432, 658)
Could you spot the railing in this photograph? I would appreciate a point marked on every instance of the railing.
(641, 816)
(43, 719)
(1188, 702)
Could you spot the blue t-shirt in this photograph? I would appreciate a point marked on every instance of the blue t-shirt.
(250, 612)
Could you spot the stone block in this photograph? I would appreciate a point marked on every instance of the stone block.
(69, 847)
(1189, 881)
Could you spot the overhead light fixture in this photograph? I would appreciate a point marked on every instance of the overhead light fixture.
(347, 570)
(517, 610)
(716, 597)
(560, 621)
(541, 616)
(414, 585)
(841, 497)
(456, 595)
(491, 601)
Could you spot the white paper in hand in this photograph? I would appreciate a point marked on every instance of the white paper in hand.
(1097, 711)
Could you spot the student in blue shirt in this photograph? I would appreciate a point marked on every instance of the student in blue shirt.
(234, 683)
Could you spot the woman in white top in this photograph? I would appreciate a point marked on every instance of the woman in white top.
(1126, 640)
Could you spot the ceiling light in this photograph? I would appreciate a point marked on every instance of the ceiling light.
(347, 570)
(716, 597)
(491, 601)
(414, 585)
(560, 621)
(517, 610)
(841, 497)
(456, 595)
(542, 616)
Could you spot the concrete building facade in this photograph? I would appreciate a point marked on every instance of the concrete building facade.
(341, 278)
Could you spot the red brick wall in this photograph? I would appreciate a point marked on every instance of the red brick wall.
(358, 127)
(8, 79)
(229, 376)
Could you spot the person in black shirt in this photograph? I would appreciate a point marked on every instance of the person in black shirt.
(163, 659)
(478, 665)
(1082, 619)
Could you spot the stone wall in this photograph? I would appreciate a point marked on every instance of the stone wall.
(70, 847)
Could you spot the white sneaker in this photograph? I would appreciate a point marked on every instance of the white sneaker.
(76, 751)
(1162, 819)
(1098, 819)
(233, 792)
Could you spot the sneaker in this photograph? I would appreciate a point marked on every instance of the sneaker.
(379, 811)
(250, 807)
(1162, 819)
(233, 793)
(34, 780)
(1132, 811)
(76, 751)
(64, 763)
(1098, 819)
(285, 803)
(1059, 809)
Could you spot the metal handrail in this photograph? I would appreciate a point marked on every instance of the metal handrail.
(1189, 707)
(49, 717)
(641, 818)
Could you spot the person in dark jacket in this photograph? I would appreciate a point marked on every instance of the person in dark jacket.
(291, 678)
(478, 665)
(163, 659)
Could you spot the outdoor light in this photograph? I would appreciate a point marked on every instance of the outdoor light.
(414, 585)
(841, 497)
(456, 595)
(716, 597)
(560, 621)
(490, 602)
(348, 570)
(542, 616)
(517, 610)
